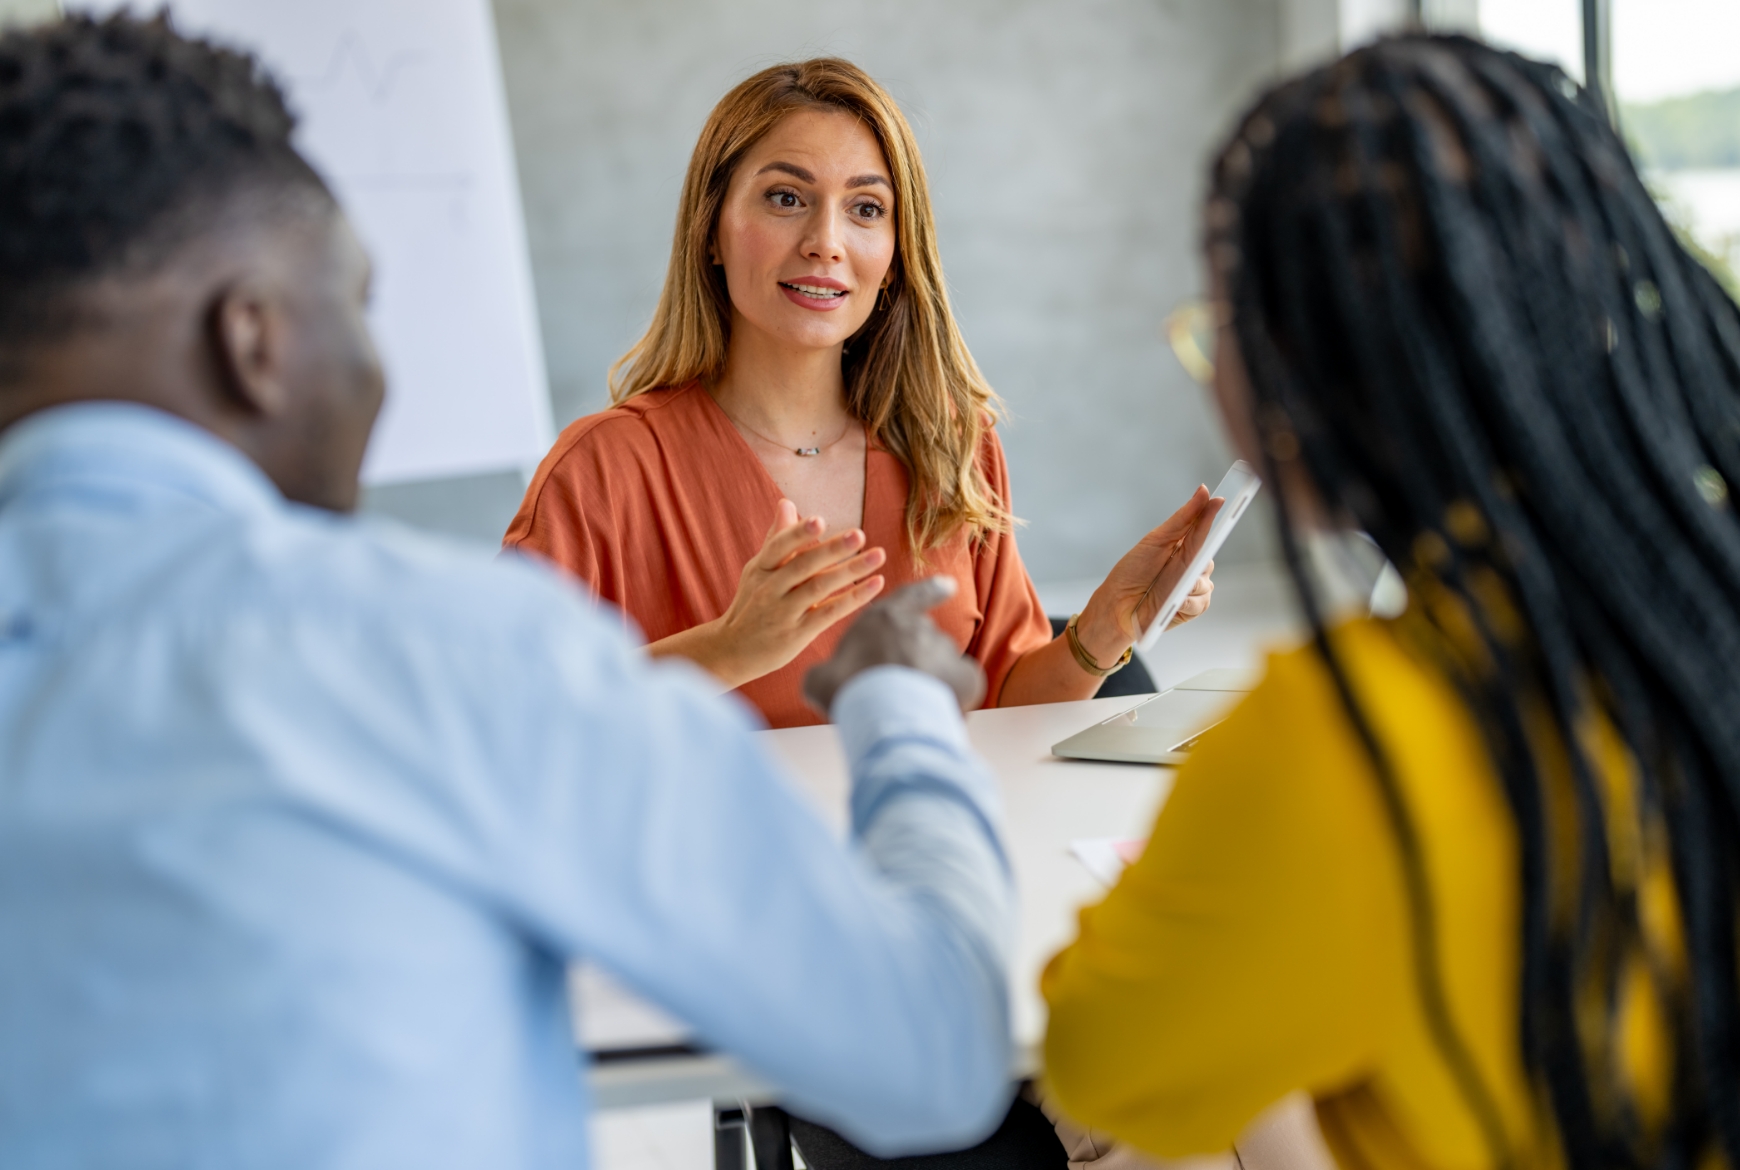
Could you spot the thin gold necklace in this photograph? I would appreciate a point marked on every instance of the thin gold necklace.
(805, 451)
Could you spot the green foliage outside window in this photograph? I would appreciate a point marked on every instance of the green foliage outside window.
(1699, 132)
(1687, 133)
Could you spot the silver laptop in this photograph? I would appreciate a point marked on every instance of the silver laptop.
(1163, 729)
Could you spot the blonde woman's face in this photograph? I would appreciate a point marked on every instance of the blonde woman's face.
(806, 235)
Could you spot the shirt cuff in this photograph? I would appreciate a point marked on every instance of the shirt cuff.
(904, 738)
(898, 703)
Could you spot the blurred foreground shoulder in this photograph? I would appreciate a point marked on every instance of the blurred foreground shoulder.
(1168, 1026)
(395, 579)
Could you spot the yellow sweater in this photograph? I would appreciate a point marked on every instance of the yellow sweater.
(1261, 943)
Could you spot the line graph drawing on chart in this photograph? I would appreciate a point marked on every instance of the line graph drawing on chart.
(361, 100)
(352, 53)
(400, 105)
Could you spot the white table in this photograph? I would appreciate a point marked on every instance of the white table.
(1048, 803)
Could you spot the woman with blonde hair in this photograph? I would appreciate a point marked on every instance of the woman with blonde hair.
(802, 425)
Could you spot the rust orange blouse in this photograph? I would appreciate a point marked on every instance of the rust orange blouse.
(659, 503)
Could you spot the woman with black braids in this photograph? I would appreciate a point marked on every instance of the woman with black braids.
(1468, 877)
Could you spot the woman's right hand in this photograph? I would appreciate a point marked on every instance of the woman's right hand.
(794, 588)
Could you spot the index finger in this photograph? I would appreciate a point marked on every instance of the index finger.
(1176, 526)
(1198, 534)
(781, 546)
(922, 596)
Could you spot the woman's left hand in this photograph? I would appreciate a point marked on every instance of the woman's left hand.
(1131, 595)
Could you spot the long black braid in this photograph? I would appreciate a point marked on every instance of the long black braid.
(1467, 326)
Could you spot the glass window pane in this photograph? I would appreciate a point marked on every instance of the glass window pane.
(1547, 30)
(1676, 74)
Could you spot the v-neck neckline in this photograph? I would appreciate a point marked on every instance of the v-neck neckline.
(723, 421)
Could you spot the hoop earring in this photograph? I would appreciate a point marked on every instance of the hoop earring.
(883, 302)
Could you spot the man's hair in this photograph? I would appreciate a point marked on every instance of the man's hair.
(120, 140)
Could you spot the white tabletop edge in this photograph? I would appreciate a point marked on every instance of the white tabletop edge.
(1042, 817)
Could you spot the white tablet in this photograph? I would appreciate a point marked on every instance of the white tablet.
(1237, 487)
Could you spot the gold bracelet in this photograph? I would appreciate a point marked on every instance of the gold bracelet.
(1085, 660)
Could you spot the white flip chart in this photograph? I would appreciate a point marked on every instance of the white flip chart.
(403, 111)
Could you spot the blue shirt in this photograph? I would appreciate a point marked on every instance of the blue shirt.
(302, 818)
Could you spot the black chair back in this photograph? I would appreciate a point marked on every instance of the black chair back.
(1133, 679)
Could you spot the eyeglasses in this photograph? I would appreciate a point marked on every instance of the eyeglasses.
(1190, 332)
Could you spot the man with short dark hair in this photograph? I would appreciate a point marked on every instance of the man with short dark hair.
(301, 817)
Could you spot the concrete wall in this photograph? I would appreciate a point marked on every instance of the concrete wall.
(1310, 32)
(1065, 141)
(26, 11)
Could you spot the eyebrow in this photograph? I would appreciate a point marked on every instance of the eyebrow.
(798, 172)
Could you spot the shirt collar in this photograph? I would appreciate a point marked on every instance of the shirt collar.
(135, 446)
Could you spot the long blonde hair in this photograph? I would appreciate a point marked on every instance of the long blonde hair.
(909, 377)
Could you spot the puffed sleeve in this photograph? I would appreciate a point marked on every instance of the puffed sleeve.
(555, 521)
(1014, 621)
(1252, 950)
